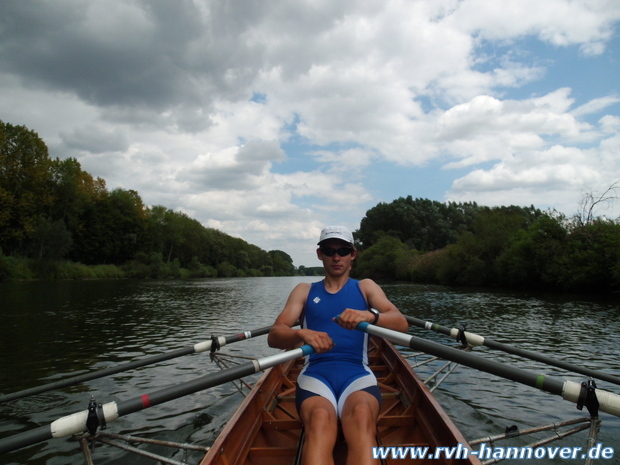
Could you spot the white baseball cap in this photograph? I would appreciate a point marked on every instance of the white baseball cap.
(336, 232)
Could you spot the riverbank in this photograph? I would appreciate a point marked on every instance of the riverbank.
(143, 267)
(24, 269)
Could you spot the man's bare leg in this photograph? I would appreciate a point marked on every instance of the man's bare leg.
(359, 425)
(321, 429)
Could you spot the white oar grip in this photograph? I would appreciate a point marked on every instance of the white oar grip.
(472, 338)
(206, 345)
(76, 423)
(272, 360)
(608, 402)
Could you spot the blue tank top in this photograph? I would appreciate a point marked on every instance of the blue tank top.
(321, 307)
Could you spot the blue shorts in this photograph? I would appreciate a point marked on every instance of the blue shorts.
(335, 381)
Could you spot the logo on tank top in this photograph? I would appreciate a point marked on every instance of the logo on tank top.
(316, 300)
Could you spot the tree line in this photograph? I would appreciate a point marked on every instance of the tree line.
(464, 244)
(56, 220)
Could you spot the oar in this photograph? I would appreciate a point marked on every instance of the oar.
(476, 340)
(220, 341)
(569, 390)
(77, 422)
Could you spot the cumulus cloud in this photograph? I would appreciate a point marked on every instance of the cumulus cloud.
(234, 168)
(486, 128)
(267, 120)
(587, 24)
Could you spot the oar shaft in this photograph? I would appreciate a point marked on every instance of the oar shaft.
(196, 348)
(552, 361)
(208, 381)
(475, 339)
(76, 423)
(27, 438)
(95, 375)
(464, 358)
(174, 392)
(609, 402)
(428, 325)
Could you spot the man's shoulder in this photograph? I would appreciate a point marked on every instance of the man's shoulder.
(302, 289)
(368, 287)
(367, 282)
(305, 286)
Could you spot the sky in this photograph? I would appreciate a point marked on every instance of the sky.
(270, 119)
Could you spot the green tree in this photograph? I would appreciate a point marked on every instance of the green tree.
(472, 260)
(422, 224)
(166, 230)
(25, 186)
(50, 240)
(50, 209)
(115, 226)
(535, 257)
(493, 228)
(282, 263)
(73, 190)
(243, 260)
(388, 258)
(593, 256)
(226, 270)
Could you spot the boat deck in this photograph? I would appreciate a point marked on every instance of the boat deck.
(266, 429)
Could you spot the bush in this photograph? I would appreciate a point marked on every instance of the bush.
(426, 267)
(226, 270)
(535, 258)
(266, 270)
(389, 258)
(195, 269)
(5, 268)
(70, 270)
(460, 267)
(151, 266)
(592, 255)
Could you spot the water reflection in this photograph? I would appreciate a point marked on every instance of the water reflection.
(53, 330)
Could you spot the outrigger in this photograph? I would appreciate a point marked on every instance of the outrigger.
(266, 429)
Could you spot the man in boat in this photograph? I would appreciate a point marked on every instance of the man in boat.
(336, 381)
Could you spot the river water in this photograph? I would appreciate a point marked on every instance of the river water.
(49, 331)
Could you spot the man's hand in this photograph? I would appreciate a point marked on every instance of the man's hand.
(350, 318)
(320, 341)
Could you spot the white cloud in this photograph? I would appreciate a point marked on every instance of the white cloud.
(551, 178)
(268, 120)
(595, 105)
(486, 128)
(585, 23)
(345, 161)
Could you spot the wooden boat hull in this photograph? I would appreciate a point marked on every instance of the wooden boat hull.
(266, 428)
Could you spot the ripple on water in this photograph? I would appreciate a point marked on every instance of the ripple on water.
(53, 331)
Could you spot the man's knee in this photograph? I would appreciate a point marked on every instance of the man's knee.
(320, 419)
(361, 417)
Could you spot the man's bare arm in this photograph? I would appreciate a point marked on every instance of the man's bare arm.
(390, 317)
(283, 336)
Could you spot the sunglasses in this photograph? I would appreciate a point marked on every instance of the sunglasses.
(330, 251)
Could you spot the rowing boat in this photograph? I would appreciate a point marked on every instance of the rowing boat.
(266, 428)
